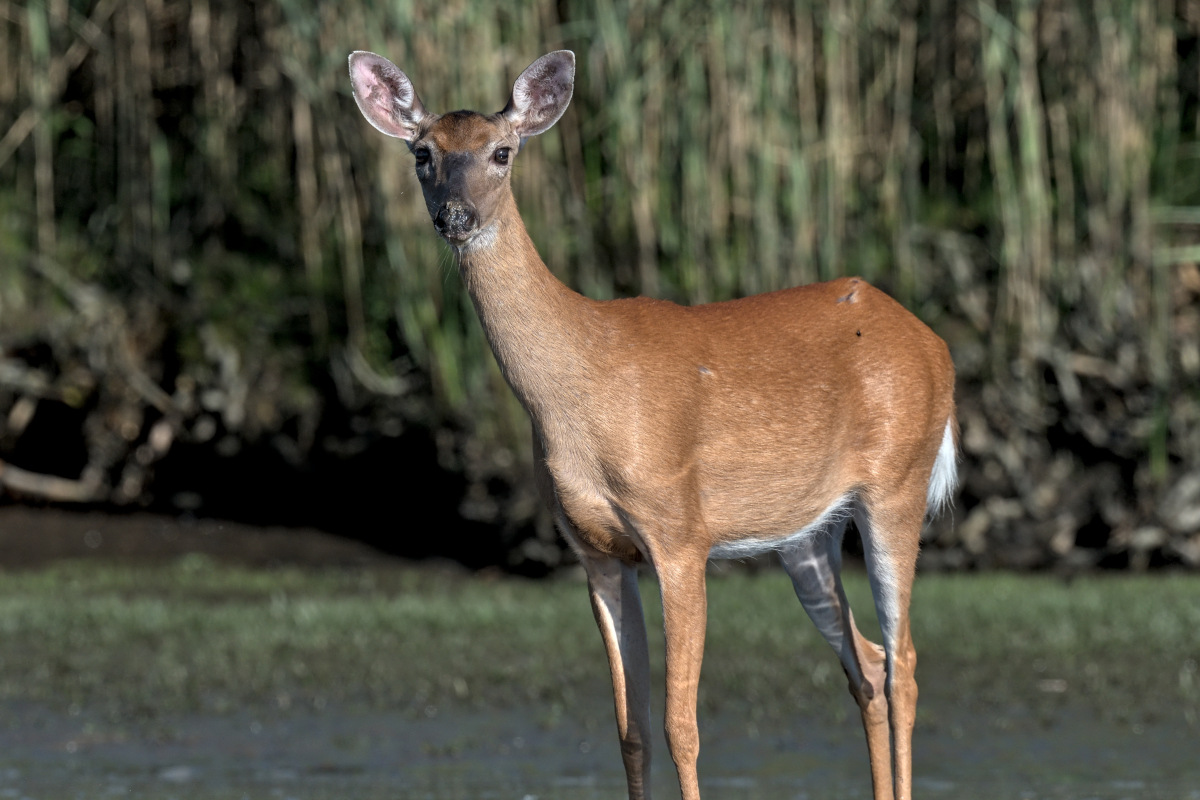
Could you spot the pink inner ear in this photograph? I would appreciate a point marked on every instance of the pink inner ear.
(541, 93)
(364, 77)
(370, 85)
(384, 95)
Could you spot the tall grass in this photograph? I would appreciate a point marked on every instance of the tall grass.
(996, 165)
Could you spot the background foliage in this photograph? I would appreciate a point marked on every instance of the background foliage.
(206, 253)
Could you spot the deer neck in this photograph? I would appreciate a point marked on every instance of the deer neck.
(537, 327)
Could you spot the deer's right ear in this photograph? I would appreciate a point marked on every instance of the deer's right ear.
(385, 95)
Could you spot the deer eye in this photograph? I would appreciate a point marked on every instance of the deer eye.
(421, 154)
(501, 155)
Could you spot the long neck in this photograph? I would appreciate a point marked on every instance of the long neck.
(538, 328)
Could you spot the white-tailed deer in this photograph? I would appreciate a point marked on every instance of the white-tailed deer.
(671, 435)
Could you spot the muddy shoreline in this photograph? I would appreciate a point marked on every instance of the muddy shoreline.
(33, 536)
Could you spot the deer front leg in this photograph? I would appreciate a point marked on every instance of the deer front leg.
(617, 604)
(685, 605)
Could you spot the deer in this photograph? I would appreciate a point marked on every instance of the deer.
(667, 435)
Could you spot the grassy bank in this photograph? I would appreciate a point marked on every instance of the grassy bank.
(200, 637)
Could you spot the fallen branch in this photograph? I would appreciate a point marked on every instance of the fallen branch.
(86, 489)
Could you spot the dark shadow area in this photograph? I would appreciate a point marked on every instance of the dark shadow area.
(390, 494)
(53, 443)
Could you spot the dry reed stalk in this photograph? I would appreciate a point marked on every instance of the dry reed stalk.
(310, 224)
(896, 205)
(997, 33)
(1036, 219)
(38, 28)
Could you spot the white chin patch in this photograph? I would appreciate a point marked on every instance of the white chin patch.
(483, 239)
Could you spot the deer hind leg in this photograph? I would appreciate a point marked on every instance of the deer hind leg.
(814, 566)
(891, 538)
(617, 604)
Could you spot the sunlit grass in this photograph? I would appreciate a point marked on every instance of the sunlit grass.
(198, 636)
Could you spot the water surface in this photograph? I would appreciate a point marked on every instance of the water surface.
(517, 754)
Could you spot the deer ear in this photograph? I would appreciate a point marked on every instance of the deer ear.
(385, 95)
(541, 93)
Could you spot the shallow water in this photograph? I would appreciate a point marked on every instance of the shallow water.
(517, 755)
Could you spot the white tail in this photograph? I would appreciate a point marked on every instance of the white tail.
(671, 435)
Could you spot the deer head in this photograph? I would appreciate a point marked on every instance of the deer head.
(463, 158)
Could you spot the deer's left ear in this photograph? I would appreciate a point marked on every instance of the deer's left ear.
(541, 94)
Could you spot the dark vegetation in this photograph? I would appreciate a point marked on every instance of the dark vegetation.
(219, 292)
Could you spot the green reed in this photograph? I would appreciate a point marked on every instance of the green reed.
(713, 149)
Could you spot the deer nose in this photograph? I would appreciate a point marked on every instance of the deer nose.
(455, 219)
